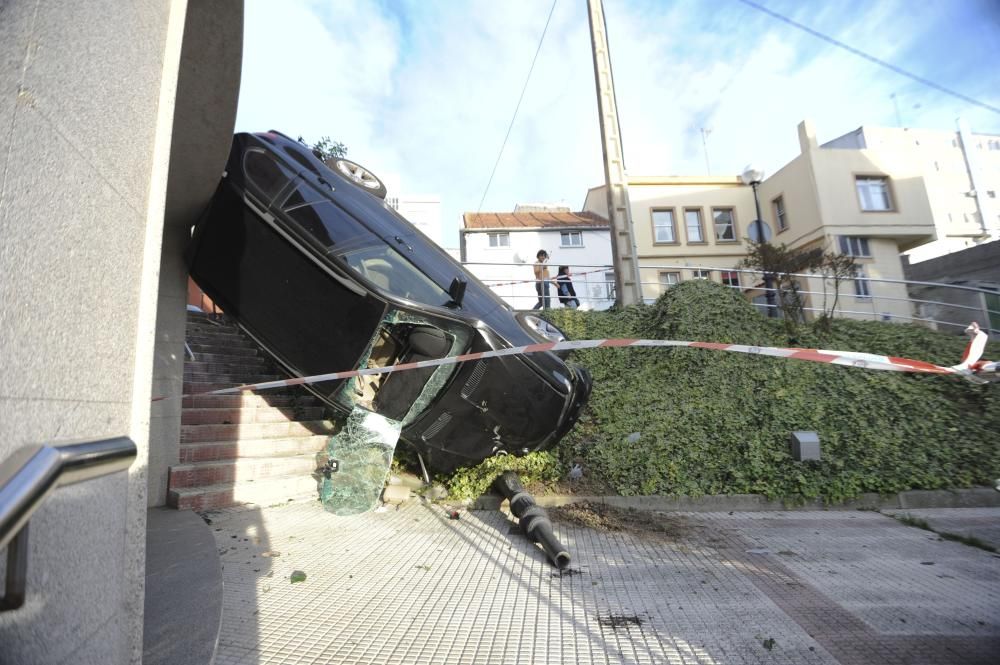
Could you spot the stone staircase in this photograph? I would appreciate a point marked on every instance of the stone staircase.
(246, 448)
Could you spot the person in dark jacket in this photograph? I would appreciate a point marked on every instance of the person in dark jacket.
(564, 285)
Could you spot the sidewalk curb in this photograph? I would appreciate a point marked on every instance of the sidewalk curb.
(984, 497)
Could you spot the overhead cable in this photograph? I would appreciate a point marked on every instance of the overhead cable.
(869, 57)
(511, 126)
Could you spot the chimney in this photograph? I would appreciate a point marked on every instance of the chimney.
(807, 136)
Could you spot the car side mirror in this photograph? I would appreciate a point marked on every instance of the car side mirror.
(456, 292)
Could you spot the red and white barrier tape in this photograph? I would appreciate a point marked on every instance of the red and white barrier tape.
(849, 358)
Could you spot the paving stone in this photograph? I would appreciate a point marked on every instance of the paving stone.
(408, 585)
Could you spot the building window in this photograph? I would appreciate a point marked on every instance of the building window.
(873, 193)
(701, 274)
(780, 218)
(731, 278)
(692, 222)
(571, 239)
(862, 287)
(609, 283)
(663, 226)
(499, 239)
(668, 279)
(725, 226)
(853, 246)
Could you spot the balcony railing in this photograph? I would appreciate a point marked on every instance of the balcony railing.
(935, 304)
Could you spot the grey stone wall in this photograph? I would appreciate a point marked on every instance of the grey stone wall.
(204, 117)
(87, 94)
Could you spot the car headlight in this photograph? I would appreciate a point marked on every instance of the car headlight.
(543, 328)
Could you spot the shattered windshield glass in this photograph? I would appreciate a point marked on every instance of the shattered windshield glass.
(356, 461)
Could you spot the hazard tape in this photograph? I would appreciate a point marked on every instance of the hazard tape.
(847, 358)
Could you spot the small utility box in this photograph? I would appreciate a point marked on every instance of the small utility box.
(804, 446)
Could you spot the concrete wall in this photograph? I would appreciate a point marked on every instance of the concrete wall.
(87, 96)
(203, 121)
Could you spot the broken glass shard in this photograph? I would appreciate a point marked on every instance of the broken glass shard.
(356, 462)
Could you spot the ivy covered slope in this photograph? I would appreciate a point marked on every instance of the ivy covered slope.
(712, 422)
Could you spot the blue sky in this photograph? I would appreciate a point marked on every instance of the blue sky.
(425, 89)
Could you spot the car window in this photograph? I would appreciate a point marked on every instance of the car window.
(302, 159)
(325, 221)
(266, 175)
(390, 271)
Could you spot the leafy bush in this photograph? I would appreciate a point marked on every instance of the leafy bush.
(718, 423)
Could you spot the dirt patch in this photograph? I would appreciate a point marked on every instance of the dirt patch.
(603, 517)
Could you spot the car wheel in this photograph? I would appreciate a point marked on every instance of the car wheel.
(360, 176)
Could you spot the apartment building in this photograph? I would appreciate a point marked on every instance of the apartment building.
(961, 171)
(872, 204)
(500, 248)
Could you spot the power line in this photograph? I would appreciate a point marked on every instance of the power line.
(869, 57)
(516, 108)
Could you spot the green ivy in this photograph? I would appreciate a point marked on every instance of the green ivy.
(718, 423)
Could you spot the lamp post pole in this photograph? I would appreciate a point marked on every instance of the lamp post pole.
(753, 177)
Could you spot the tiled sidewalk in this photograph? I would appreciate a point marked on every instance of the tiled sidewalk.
(412, 586)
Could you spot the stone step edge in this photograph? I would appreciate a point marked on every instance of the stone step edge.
(249, 459)
(272, 484)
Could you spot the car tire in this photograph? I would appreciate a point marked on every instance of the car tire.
(358, 176)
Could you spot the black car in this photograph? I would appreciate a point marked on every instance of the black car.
(314, 265)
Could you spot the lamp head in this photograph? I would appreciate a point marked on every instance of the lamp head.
(752, 175)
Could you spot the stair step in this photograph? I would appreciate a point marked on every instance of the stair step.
(204, 357)
(235, 365)
(245, 415)
(274, 398)
(215, 451)
(228, 351)
(198, 387)
(264, 492)
(240, 470)
(233, 378)
(234, 432)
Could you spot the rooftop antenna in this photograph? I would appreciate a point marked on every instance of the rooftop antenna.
(704, 144)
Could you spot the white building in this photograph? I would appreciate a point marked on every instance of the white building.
(500, 249)
(421, 210)
(961, 171)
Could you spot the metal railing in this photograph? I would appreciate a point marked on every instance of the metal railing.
(986, 315)
(28, 476)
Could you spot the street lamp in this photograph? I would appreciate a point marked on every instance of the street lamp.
(753, 176)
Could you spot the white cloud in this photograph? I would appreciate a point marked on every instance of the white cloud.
(427, 89)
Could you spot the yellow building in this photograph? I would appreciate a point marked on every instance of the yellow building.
(872, 204)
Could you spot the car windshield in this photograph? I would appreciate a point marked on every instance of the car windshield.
(393, 273)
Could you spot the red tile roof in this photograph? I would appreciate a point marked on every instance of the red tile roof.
(532, 220)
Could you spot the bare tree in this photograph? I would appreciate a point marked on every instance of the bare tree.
(778, 263)
(326, 148)
(837, 268)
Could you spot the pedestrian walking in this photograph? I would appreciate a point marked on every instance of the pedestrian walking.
(564, 287)
(542, 280)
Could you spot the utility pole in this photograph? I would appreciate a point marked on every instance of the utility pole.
(628, 284)
(704, 144)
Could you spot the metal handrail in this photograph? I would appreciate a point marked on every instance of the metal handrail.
(32, 473)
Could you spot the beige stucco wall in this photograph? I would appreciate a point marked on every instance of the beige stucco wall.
(911, 221)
